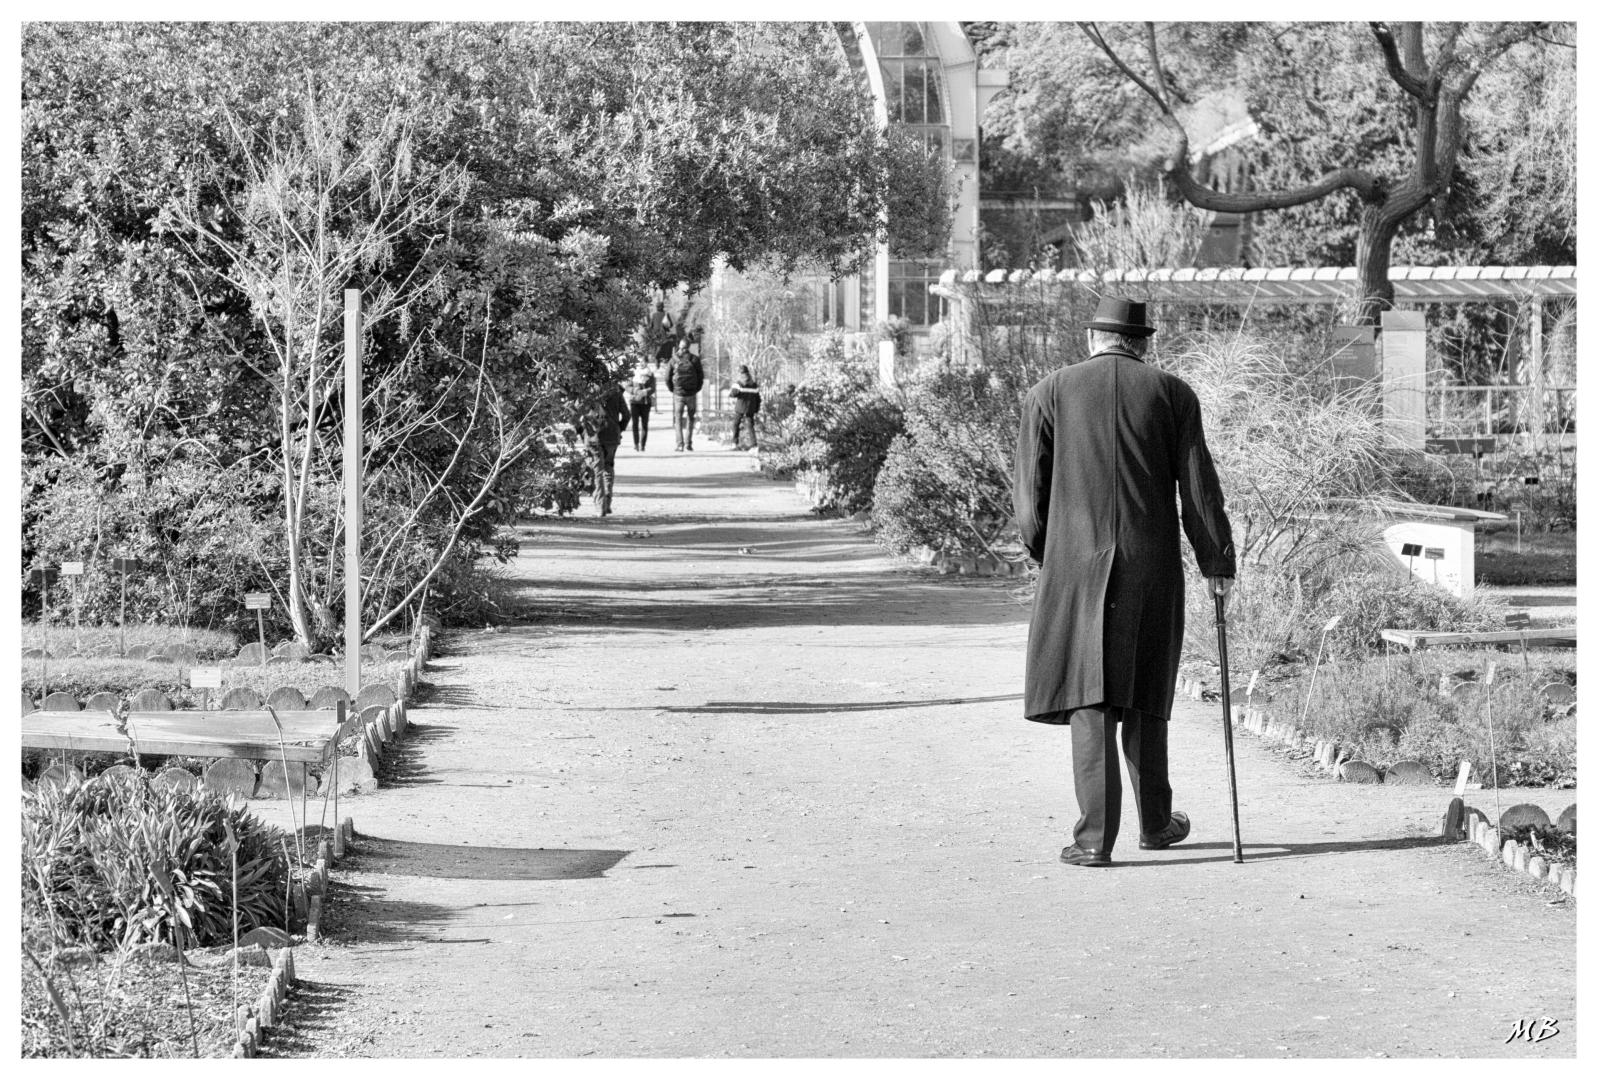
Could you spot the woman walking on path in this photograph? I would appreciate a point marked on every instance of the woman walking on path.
(641, 402)
(745, 405)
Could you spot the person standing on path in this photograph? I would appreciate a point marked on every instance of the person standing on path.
(684, 378)
(602, 430)
(661, 335)
(745, 406)
(1105, 448)
(641, 402)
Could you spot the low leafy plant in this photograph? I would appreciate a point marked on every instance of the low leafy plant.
(95, 855)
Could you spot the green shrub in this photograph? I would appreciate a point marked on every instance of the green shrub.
(839, 433)
(120, 860)
(945, 482)
(193, 525)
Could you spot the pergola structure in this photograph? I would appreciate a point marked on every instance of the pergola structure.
(1302, 285)
(1402, 365)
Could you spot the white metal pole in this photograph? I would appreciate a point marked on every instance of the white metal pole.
(352, 491)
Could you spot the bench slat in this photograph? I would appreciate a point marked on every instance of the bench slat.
(196, 733)
(1415, 639)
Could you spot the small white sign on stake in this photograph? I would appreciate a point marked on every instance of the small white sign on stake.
(257, 601)
(1464, 775)
(72, 569)
(1253, 681)
(205, 678)
(1492, 669)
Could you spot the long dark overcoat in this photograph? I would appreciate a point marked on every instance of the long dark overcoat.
(1105, 446)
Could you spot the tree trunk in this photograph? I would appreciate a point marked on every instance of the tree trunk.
(1373, 257)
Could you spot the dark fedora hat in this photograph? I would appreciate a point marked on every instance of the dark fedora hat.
(1122, 316)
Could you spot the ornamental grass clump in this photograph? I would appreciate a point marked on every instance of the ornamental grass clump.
(1308, 474)
(95, 855)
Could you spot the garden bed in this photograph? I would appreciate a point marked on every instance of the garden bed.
(1427, 707)
(132, 1004)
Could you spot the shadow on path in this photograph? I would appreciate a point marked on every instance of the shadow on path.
(797, 706)
(731, 603)
(376, 854)
(404, 763)
(1254, 852)
(307, 1021)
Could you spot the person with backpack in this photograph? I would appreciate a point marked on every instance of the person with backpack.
(684, 378)
(641, 402)
(745, 405)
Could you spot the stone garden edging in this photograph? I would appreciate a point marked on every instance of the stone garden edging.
(254, 1022)
(1460, 822)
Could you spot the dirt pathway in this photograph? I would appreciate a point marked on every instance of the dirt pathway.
(709, 803)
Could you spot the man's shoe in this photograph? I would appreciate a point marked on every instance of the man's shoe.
(1081, 856)
(1173, 833)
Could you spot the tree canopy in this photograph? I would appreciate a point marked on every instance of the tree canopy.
(1452, 141)
(540, 179)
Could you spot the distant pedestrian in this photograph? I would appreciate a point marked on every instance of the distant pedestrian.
(662, 335)
(1105, 447)
(641, 401)
(684, 378)
(745, 406)
(601, 430)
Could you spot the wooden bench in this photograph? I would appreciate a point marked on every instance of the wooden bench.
(1416, 639)
(307, 736)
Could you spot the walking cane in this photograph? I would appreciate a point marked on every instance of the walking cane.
(1226, 723)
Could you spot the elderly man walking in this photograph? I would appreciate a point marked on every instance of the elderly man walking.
(1106, 446)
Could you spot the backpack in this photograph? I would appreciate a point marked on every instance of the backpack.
(687, 375)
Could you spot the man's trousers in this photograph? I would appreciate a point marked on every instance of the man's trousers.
(683, 409)
(1096, 768)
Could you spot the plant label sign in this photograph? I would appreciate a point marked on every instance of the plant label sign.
(1410, 550)
(1253, 681)
(1517, 618)
(205, 678)
(124, 566)
(1464, 776)
(44, 575)
(72, 569)
(1533, 480)
(1492, 669)
(1434, 553)
(257, 601)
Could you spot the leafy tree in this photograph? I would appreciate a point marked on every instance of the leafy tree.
(1432, 86)
(587, 163)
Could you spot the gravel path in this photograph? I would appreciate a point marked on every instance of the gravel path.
(745, 788)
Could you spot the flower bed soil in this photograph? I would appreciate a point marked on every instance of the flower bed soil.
(134, 1007)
